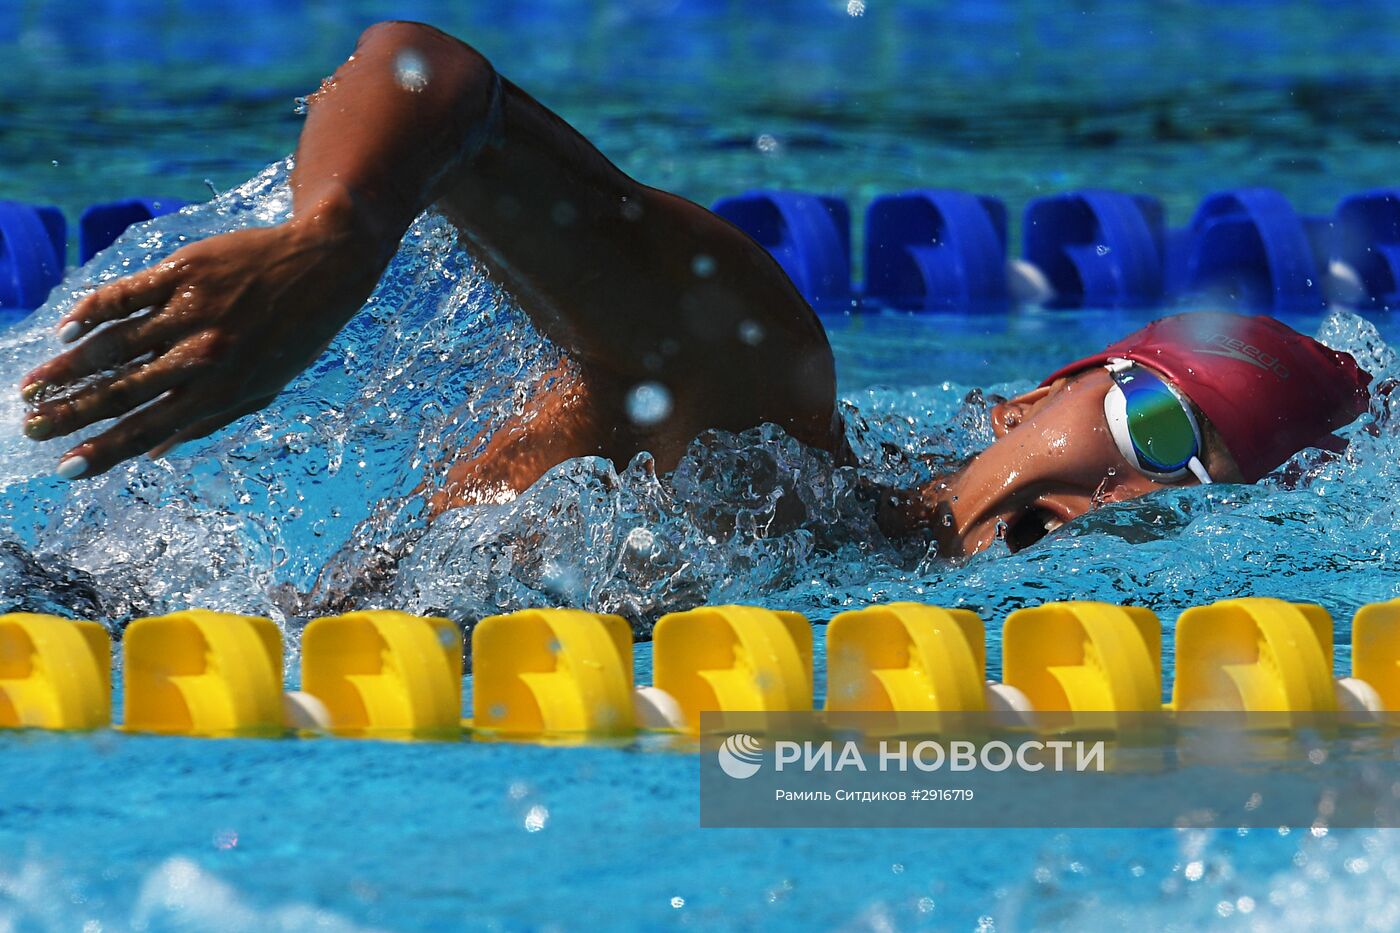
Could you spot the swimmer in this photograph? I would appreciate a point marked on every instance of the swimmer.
(634, 285)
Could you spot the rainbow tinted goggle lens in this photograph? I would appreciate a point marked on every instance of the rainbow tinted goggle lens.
(1153, 425)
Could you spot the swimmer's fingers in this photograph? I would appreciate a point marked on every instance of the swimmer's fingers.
(209, 425)
(119, 299)
(109, 398)
(117, 345)
(133, 435)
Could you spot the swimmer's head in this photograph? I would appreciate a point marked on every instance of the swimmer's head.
(1188, 398)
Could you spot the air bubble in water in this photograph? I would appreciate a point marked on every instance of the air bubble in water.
(648, 403)
(1101, 250)
(766, 142)
(855, 8)
(703, 266)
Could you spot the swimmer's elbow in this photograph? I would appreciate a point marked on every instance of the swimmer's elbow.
(395, 35)
(453, 83)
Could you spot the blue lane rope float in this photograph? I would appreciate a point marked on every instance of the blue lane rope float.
(543, 674)
(1099, 249)
(1366, 248)
(101, 224)
(937, 250)
(1251, 248)
(33, 239)
(809, 235)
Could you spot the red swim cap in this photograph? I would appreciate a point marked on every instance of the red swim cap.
(1269, 390)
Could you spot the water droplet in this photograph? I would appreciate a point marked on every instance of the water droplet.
(640, 541)
(299, 106)
(536, 819)
(703, 266)
(648, 403)
(411, 70)
(751, 332)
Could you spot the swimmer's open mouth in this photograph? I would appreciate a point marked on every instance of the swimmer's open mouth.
(1030, 526)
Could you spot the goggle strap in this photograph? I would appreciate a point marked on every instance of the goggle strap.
(1199, 469)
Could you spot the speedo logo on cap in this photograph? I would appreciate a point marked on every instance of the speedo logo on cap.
(1236, 349)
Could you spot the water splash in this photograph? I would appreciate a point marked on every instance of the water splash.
(426, 369)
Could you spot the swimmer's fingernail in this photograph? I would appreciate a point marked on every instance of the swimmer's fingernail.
(72, 467)
(38, 428)
(30, 392)
(70, 332)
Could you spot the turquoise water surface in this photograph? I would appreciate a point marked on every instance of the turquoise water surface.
(116, 832)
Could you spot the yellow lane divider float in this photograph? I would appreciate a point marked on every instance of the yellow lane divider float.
(380, 672)
(54, 674)
(544, 672)
(733, 658)
(1085, 657)
(553, 671)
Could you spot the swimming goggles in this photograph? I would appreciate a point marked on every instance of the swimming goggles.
(1152, 424)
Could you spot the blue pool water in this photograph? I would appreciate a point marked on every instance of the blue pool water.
(118, 832)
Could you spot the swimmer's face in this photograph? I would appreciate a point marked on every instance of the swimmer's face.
(1053, 460)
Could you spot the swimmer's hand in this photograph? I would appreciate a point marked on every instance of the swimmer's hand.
(211, 334)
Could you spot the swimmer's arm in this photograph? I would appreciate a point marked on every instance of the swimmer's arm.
(385, 135)
(626, 278)
(235, 317)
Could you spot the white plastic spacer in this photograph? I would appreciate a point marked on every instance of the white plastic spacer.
(1026, 284)
(654, 708)
(1010, 705)
(1357, 696)
(304, 711)
(1342, 285)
